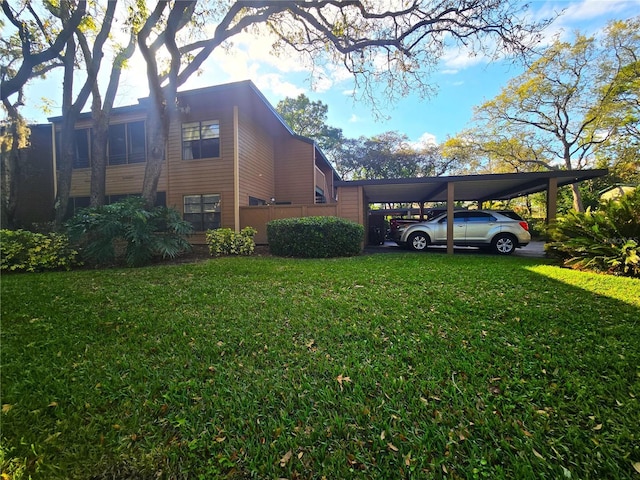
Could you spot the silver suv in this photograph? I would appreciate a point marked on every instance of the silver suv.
(501, 231)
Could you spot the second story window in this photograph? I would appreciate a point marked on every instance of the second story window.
(82, 153)
(200, 140)
(127, 143)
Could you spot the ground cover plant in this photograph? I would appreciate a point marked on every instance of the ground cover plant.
(377, 366)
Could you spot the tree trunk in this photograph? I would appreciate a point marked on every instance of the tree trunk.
(65, 166)
(157, 132)
(578, 206)
(9, 187)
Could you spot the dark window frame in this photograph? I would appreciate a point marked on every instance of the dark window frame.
(200, 140)
(203, 211)
(132, 153)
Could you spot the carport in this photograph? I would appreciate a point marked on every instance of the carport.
(466, 188)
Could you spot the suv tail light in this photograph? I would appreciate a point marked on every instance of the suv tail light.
(524, 225)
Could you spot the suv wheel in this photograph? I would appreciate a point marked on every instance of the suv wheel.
(504, 244)
(418, 241)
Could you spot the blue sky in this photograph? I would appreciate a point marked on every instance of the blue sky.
(462, 81)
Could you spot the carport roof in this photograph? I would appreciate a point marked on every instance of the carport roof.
(501, 186)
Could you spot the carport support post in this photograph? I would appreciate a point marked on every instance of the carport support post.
(552, 200)
(450, 200)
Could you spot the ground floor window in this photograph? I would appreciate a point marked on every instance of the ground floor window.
(202, 211)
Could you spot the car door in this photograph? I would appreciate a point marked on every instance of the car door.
(479, 224)
(459, 226)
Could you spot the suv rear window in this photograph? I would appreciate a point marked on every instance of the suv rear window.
(510, 214)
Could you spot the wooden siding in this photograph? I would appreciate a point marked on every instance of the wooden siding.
(295, 171)
(351, 204)
(256, 157)
(120, 179)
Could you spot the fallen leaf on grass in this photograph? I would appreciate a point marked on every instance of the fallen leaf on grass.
(636, 467)
(342, 379)
(598, 427)
(53, 404)
(392, 447)
(6, 407)
(537, 454)
(285, 458)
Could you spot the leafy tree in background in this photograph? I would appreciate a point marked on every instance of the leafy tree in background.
(309, 119)
(388, 155)
(574, 100)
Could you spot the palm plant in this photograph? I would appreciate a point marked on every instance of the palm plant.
(129, 231)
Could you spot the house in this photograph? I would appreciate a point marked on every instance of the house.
(230, 150)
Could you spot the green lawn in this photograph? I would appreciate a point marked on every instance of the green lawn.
(379, 366)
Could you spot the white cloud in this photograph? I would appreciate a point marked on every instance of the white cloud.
(449, 71)
(588, 16)
(593, 9)
(274, 83)
(456, 59)
(425, 140)
(354, 118)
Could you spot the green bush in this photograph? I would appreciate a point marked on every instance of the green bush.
(606, 240)
(130, 232)
(314, 237)
(224, 241)
(24, 251)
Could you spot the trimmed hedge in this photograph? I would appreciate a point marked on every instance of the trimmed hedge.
(314, 237)
(24, 251)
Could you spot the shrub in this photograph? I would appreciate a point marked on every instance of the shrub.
(24, 251)
(607, 240)
(314, 237)
(224, 241)
(128, 231)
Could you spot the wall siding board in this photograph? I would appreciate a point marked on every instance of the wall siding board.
(295, 171)
(256, 159)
